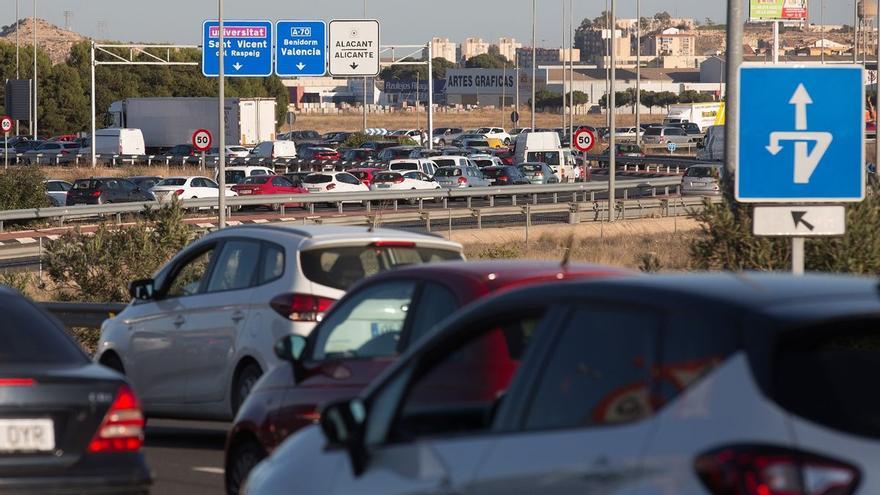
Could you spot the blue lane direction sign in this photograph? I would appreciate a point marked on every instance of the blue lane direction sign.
(248, 48)
(802, 135)
(300, 48)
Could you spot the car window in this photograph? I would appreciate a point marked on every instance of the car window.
(413, 175)
(196, 182)
(127, 186)
(259, 171)
(342, 267)
(460, 389)
(548, 157)
(234, 176)
(435, 303)
(368, 324)
(281, 182)
(190, 277)
(272, 263)
(236, 266)
(600, 370)
(29, 337)
(174, 181)
(653, 131)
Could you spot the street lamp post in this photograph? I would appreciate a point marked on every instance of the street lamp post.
(612, 118)
(534, 58)
(638, 72)
(221, 106)
(35, 71)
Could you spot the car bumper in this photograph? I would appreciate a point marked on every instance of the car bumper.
(75, 485)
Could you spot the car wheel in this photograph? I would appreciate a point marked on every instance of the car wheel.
(241, 462)
(247, 377)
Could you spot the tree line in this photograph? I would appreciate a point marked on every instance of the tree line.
(651, 99)
(63, 89)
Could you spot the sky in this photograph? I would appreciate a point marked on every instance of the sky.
(402, 21)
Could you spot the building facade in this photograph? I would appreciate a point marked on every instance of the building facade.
(507, 47)
(473, 47)
(445, 49)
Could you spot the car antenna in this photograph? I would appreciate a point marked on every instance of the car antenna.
(566, 256)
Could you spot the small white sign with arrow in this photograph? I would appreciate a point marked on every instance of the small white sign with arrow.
(805, 161)
(799, 221)
(354, 48)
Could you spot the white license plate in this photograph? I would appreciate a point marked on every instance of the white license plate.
(27, 435)
(245, 191)
(383, 186)
(315, 189)
(698, 184)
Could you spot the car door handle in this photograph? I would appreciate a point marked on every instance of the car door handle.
(179, 321)
(237, 316)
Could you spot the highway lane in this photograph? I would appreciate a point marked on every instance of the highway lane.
(186, 457)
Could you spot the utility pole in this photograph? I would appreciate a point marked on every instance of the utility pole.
(221, 106)
(877, 88)
(612, 121)
(365, 81)
(564, 58)
(516, 102)
(734, 60)
(571, 69)
(855, 31)
(534, 58)
(638, 72)
(35, 71)
(17, 76)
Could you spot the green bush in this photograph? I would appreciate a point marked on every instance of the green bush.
(98, 267)
(727, 242)
(21, 188)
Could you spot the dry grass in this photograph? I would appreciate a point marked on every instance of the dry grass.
(72, 173)
(472, 119)
(667, 251)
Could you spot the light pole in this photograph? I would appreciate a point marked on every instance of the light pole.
(35, 71)
(612, 121)
(365, 82)
(855, 31)
(534, 58)
(570, 69)
(17, 76)
(564, 59)
(638, 72)
(221, 107)
(877, 88)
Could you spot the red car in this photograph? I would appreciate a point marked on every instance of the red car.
(505, 155)
(361, 335)
(320, 154)
(365, 175)
(269, 184)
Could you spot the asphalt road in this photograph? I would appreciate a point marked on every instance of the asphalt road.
(186, 457)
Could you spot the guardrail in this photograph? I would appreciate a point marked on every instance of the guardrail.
(366, 198)
(83, 315)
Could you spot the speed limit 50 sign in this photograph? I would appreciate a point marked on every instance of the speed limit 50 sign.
(584, 140)
(5, 124)
(202, 139)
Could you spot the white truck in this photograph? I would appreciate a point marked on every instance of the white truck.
(168, 121)
(702, 114)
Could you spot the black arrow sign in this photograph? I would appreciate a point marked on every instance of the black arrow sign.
(353, 66)
(798, 217)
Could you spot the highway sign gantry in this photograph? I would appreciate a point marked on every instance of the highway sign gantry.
(300, 48)
(799, 221)
(584, 140)
(354, 48)
(801, 134)
(248, 51)
(202, 140)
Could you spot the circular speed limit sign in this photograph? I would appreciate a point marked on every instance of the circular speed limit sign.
(5, 124)
(584, 140)
(202, 140)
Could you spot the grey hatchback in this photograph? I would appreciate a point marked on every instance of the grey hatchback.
(702, 180)
(538, 173)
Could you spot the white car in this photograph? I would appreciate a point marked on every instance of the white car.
(483, 161)
(198, 335)
(274, 149)
(404, 181)
(414, 134)
(495, 133)
(187, 188)
(234, 151)
(330, 181)
(421, 164)
(733, 384)
(236, 175)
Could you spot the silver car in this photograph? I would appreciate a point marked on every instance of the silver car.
(198, 335)
(538, 173)
(702, 180)
(664, 135)
(460, 177)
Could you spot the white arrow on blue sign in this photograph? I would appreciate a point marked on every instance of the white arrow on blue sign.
(300, 48)
(802, 134)
(248, 50)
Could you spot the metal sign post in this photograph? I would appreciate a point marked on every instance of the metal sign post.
(5, 126)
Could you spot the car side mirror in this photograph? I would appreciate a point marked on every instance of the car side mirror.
(143, 289)
(343, 425)
(291, 348)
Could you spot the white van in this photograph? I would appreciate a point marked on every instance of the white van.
(275, 149)
(426, 166)
(712, 148)
(117, 141)
(545, 147)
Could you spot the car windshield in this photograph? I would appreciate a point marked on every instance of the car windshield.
(387, 177)
(484, 162)
(342, 267)
(234, 176)
(494, 172)
(548, 157)
(654, 131)
(445, 162)
(256, 180)
(531, 168)
(703, 172)
(172, 181)
(360, 174)
(448, 172)
(318, 179)
(404, 166)
(87, 184)
(30, 337)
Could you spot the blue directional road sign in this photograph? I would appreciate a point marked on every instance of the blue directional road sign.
(300, 48)
(802, 135)
(248, 48)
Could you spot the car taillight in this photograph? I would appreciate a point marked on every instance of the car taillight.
(178, 192)
(462, 180)
(502, 178)
(769, 470)
(301, 307)
(401, 244)
(16, 382)
(96, 194)
(331, 186)
(122, 429)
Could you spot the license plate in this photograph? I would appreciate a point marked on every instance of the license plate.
(315, 189)
(383, 186)
(27, 435)
(698, 184)
(245, 191)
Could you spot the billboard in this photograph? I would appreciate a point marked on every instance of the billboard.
(480, 81)
(778, 10)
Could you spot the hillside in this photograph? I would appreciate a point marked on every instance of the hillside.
(55, 41)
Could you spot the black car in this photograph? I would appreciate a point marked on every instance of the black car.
(335, 139)
(145, 182)
(358, 155)
(507, 175)
(25, 146)
(103, 190)
(67, 424)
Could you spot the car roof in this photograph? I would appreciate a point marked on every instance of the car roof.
(340, 233)
(441, 157)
